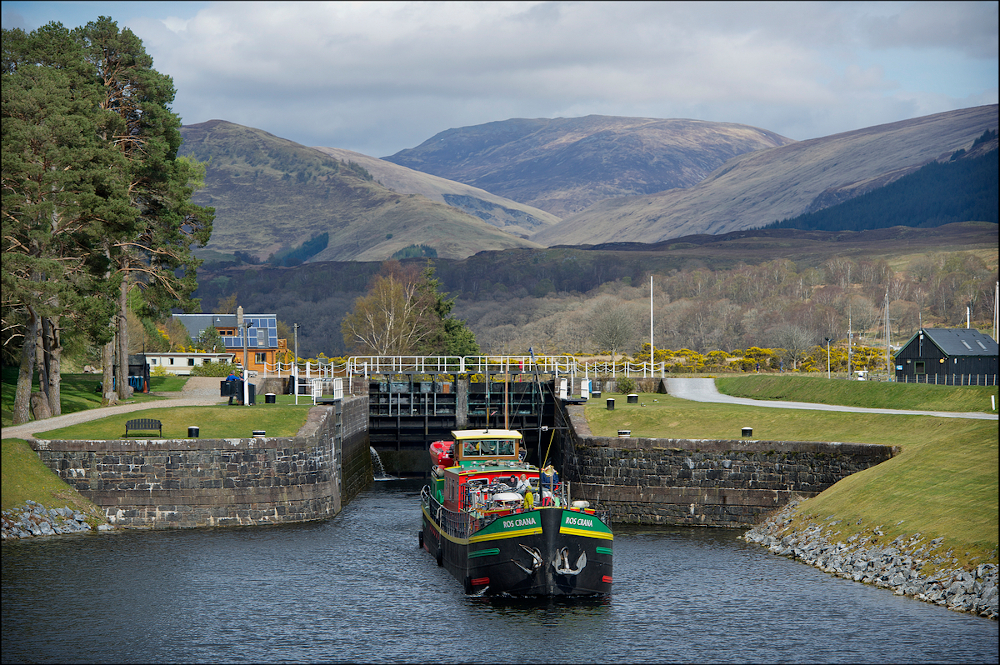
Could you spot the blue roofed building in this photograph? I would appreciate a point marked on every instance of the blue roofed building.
(264, 349)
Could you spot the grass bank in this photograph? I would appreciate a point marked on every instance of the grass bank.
(25, 477)
(874, 395)
(943, 482)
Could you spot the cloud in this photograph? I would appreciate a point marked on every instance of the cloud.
(379, 77)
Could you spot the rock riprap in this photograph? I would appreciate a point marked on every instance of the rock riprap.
(34, 519)
(896, 565)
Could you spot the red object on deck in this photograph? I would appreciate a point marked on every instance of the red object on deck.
(441, 454)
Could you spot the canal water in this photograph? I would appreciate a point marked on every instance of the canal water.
(356, 588)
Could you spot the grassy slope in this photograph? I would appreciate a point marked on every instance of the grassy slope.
(818, 389)
(25, 477)
(943, 482)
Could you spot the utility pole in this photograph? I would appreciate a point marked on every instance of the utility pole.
(295, 370)
(652, 355)
(827, 357)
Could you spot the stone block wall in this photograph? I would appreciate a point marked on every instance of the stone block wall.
(706, 482)
(181, 483)
(356, 460)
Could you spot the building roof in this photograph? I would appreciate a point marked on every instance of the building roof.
(960, 341)
(263, 328)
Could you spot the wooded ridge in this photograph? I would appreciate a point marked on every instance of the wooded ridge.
(755, 280)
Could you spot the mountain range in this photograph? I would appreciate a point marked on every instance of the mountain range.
(271, 194)
(505, 185)
(565, 165)
(759, 188)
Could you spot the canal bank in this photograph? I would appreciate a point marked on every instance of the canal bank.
(194, 482)
(918, 566)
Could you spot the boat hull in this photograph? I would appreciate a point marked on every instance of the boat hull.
(545, 552)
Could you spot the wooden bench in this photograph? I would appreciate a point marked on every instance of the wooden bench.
(144, 425)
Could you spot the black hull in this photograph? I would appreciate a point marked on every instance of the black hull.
(489, 562)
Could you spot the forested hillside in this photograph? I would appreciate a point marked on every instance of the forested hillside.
(710, 292)
(939, 193)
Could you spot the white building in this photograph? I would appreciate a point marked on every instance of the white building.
(181, 363)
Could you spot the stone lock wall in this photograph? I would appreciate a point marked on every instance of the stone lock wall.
(178, 483)
(707, 482)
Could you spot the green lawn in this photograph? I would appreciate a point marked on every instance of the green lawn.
(79, 392)
(870, 394)
(943, 482)
(213, 422)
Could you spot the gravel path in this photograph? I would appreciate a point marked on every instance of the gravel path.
(704, 390)
(198, 391)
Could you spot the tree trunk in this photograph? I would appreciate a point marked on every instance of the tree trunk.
(22, 394)
(108, 394)
(54, 364)
(121, 334)
(40, 406)
(41, 361)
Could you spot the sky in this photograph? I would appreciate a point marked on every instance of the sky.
(380, 77)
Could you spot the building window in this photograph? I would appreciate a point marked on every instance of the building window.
(171, 360)
(918, 367)
(153, 361)
(260, 358)
(190, 362)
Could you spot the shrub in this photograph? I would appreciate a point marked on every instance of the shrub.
(213, 369)
(626, 385)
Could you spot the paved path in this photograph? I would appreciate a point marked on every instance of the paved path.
(198, 391)
(704, 390)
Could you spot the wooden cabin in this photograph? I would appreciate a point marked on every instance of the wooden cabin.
(948, 356)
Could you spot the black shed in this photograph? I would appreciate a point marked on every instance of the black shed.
(948, 356)
(138, 372)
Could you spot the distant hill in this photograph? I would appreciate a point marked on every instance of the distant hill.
(564, 165)
(962, 188)
(758, 188)
(272, 195)
(511, 216)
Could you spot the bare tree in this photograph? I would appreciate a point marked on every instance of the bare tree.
(385, 320)
(614, 326)
(794, 339)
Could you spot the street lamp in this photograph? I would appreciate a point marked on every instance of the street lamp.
(246, 364)
(828, 340)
